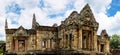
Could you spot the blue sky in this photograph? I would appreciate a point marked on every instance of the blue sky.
(48, 12)
(115, 6)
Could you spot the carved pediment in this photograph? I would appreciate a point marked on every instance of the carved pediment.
(72, 18)
(86, 14)
(20, 32)
(85, 17)
(104, 33)
(102, 40)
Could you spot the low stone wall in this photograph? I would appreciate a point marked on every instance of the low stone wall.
(115, 51)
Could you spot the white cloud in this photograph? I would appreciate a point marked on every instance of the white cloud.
(98, 7)
(79, 4)
(27, 4)
(111, 24)
(55, 5)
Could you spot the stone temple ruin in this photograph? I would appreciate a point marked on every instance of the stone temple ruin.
(77, 34)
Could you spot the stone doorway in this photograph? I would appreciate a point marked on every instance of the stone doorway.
(21, 45)
(102, 48)
(70, 41)
(87, 39)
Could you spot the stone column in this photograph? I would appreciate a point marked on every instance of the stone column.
(53, 45)
(80, 39)
(95, 41)
(26, 44)
(107, 46)
(99, 47)
(65, 41)
(16, 45)
(89, 41)
(46, 44)
(72, 41)
(62, 38)
(49, 43)
(11, 44)
(68, 40)
(75, 41)
(40, 43)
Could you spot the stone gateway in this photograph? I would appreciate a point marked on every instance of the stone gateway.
(76, 35)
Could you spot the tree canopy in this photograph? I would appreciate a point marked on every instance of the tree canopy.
(115, 41)
(1, 41)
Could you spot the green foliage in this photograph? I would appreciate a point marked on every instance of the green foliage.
(1, 41)
(1, 48)
(115, 41)
(1, 51)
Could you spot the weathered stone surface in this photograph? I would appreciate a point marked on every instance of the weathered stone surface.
(77, 34)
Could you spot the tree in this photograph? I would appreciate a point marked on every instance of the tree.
(115, 41)
(1, 41)
(1, 47)
(1, 51)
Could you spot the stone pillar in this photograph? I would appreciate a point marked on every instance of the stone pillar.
(68, 40)
(16, 45)
(40, 43)
(53, 45)
(26, 43)
(11, 44)
(48, 43)
(80, 39)
(74, 46)
(95, 41)
(89, 41)
(62, 42)
(99, 47)
(62, 38)
(92, 40)
(75, 41)
(107, 46)
(35, 45)
(72, 41)
(65, 41)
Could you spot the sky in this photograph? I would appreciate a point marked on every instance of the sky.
(48, 12)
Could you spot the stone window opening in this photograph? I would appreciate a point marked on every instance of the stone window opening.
(84, 42)
(87, 39)
(21, 45)
(50, 43)
(66, 41)
(102, 48)
(44, 44)
(70, 41)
